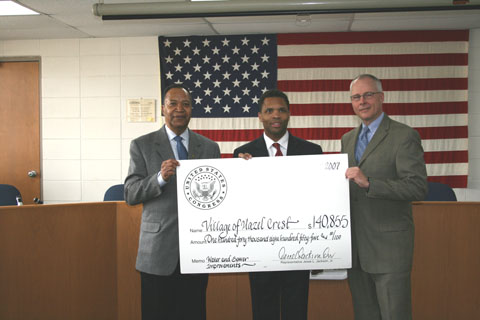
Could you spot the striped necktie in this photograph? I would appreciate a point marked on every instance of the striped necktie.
(279, 152)
(361, 143)
(181, 150)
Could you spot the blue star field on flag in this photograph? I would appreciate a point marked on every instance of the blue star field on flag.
(225, 74)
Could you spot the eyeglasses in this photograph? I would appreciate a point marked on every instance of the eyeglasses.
(366, 95)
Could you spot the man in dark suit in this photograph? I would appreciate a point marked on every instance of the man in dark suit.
(387, 172)
(151, 180)
(284, 294)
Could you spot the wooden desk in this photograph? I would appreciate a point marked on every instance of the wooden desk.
(77, 261)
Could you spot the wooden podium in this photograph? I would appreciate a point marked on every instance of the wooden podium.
(77, 261)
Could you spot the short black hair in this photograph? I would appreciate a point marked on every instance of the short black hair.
(174, 86)
(273, 93)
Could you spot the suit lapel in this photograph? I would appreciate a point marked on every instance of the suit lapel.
(350, 146)
(260, 148)
(378, 137)
(194, 146)
(162, 145)
(292, 144)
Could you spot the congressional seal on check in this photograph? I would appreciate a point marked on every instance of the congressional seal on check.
(264, 214)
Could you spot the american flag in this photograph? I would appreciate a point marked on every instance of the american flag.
(424, 76)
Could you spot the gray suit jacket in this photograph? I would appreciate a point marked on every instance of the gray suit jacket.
(158, 251)
(382, 222)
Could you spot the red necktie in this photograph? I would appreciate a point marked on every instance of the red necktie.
(279, 152)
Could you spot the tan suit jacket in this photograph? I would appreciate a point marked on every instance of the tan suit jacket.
(382, 223)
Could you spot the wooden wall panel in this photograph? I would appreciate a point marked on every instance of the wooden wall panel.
(77, 261)
(58, 262)
(446, 276)
(128, 279)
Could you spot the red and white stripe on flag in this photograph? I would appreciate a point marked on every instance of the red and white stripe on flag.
(425, 80)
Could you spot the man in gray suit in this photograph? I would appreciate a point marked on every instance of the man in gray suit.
(151, 180)
(387, 172)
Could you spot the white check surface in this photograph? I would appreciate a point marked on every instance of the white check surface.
(264, 214)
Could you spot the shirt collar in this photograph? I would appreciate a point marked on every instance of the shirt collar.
(283, 141)
(185, 135)
(375, 124)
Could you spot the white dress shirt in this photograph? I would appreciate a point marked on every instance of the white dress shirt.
(283, 142)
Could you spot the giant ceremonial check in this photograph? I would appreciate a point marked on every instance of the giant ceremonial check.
(264, 214)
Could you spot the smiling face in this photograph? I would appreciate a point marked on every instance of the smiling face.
(367, 109)
(177, 109)
(274, 115)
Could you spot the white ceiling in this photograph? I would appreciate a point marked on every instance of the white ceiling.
(74, 19)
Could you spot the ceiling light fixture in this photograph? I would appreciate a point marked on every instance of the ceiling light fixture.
(303, 20)
(10, 8)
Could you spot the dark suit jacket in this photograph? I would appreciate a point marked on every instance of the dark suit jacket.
(382, 223)
(158, 251)
(292, 286)
(296, 147)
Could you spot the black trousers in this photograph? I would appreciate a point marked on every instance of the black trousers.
(174, 297)
(279, 295)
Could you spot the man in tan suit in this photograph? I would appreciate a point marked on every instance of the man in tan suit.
(387, 172)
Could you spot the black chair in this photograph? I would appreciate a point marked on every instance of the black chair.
(440, 192)
(8, 195)
(114, 193)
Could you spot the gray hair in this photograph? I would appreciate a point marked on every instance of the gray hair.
(366, 75)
